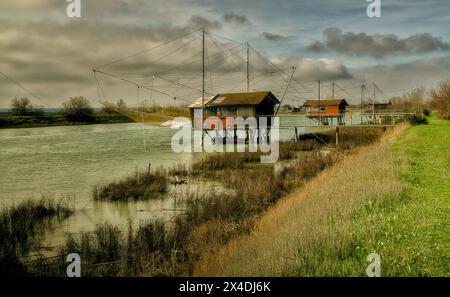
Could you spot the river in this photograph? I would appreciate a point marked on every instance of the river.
(66, 162)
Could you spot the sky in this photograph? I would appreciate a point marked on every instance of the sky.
(52, 55)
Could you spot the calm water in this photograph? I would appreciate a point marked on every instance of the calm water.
(70, 160)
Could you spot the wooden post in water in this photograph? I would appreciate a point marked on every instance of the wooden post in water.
(337, 136)
(296, 135)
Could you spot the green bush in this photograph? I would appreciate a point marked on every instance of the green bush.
(416, 119)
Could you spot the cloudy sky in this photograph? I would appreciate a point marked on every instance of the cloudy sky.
(53, 55)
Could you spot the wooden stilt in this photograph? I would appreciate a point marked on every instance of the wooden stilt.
(337, 136)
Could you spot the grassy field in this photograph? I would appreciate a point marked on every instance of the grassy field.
(422, 220)
(391, 198)
(155, 114)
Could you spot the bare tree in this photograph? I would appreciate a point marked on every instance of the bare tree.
(440, 99)
(21, 106)
(416, 100)
(78, 109)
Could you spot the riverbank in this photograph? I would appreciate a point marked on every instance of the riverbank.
(47, 120)
(390, 198)
(206, 220)
(323, 223)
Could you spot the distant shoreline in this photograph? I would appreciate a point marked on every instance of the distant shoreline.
(51, 120)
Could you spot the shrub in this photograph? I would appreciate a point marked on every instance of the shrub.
(78, 109)
(416, 119)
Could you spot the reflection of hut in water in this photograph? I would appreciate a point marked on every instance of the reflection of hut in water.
(325, 110)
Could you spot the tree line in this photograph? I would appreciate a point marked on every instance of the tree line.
(75, 109)
(421, 102)
(418, 100)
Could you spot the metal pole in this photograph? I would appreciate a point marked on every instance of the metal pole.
(285, 91)
(320, 114)
(248, 68)
(332, 94)
(203, 80)
(373, 102)
(403, 101)
(361, 105)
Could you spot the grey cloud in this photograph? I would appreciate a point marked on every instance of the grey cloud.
(310, 69)
(276, 37)
(56, 59)
(199, 22)
(324, 69)
(422, 72)
(235, 18)
(376, 45)
(317, 46)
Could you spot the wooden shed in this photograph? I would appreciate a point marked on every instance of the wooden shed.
(377, 106)
(325, 110)
(234, 105)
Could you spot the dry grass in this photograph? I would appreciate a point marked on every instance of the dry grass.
(289, 236)
(154, 114)
(226, 160)
(142, 185)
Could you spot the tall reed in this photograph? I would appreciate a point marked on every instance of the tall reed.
(21, 226)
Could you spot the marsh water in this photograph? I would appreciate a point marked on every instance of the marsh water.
(66, 162)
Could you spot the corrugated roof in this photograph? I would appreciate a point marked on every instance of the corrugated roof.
(324, 102)
(198, 103)
(251, 98)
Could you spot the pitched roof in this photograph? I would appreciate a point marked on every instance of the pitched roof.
(382, 103)
(324, 102)
(376, 103)
(250, 98)
(198, 103)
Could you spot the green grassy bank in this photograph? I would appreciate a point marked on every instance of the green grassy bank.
(412, 233)
(10, 121)
(391, 198)
(409, 230)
